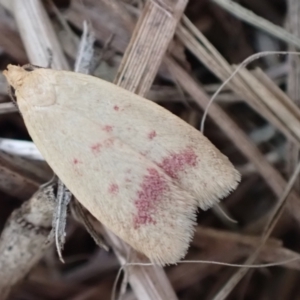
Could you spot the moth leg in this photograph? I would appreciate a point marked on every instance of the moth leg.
(84, 217)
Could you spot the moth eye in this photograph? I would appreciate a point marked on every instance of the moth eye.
(30, 67)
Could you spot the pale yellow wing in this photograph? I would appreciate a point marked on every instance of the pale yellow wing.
(136, 167)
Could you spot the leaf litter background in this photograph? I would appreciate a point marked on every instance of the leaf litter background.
(254, 121)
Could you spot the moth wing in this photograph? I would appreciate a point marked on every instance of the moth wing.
(105, 133)
(128, 193)
(180, 150)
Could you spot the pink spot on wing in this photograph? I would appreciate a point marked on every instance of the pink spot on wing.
(108, 128)
(116, 107)
(177, 162)
(152, 135)
(96, 148)
(113, 189)
(151, 192)
(76, 169)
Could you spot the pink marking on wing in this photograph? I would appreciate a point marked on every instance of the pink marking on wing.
(152, 134)
(177, 162)
(116, 107)
(151, 192)
(75, 161)
(108, 128)
(113, 189)
(76, 169)
(96, 148)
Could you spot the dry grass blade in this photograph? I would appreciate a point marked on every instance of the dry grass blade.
(148, 44)
(261, 23)
(293, 89)
(6, 108)
(229, 247)
(24, 240)
(142, 279)
(10, 40)
(281, 108)
(100, 14)
(243, 245)
(242, 142)
(86, 51)
(214, 61)
(136, 73)
(38, 35)
(232, 282)
(21, 148)
(126, 41)
(20, 177)
(31, 16)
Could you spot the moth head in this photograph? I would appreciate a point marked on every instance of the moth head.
(31, 86)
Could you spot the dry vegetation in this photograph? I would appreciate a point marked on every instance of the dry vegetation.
(177, 53)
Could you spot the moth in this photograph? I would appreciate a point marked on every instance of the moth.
(137, 168)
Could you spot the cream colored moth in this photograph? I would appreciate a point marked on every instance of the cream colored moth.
(140, 170)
